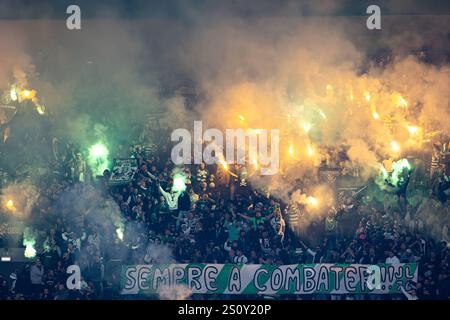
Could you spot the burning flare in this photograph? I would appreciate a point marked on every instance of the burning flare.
(13, 94)
(413, 130)
(119, 233)
(10, 205)
(395, 146)
(375, 115)
(312, 201)
(291, 150)
(310, 150)
(307, 126)
(401, 102)
(27, 94)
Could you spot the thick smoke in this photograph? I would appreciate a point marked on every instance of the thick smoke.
(174, 292)
(19, 199)
(159, 253)
(87, 206)
(308, 76)
(162, 254)
(314, 73)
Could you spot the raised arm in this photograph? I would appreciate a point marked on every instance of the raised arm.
(164, 193)
(244, 216)
(269, 216)
(406, 294)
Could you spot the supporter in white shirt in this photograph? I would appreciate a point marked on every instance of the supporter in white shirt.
(240, 257)
(392, 258)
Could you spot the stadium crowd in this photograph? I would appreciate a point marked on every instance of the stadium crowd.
(220, 219)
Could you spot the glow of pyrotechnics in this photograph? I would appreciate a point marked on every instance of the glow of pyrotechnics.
(40, 110)
(395, 146)
(367, 96)
(255, 163)
(224, 165)
(291, 150)
(384, 172)
(99, 150)
(30, 251)
(394, 176)
(98, 158)
(307, 126)
(13, 94)
(312, 201)
(27, 94)
(397, 169)
(119, 233)
(179, 182)
(310, 150)
(322, 114)
(375, 115)
(29, 242)
(10, 205)
(413, 130)
(241, 117)
(401, 102)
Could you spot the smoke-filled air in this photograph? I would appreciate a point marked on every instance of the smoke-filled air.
(363, 118)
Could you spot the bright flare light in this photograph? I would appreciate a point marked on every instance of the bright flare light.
(307, 126)
(401, 102)
(13, 94)
(29, 242)
(224, 164)
(375, 115)
(413, 130)
(367, 96)
(179, 184)
(291, 150)
(30, 251)
(241, 117)
(98, 158)
(395, 146)
(312, 201)
(27, 94)
(99, 150)
(10, 205)
(119, 232)
(322, 114)
(40, 110)
(310, 150)
(397, 170)
(255, 163)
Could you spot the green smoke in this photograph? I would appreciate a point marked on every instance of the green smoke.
(29, 241)
(398, 168)
(396, 177)
(98, 158)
